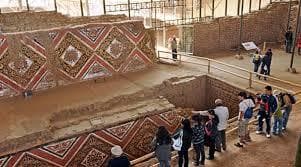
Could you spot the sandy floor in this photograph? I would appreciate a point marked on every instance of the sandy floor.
(24, 117)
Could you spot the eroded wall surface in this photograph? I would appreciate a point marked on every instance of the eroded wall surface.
(41, 60)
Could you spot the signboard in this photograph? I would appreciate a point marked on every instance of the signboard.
(249, 45)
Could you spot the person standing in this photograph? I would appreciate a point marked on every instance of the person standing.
(288, 40)
(198, 139)
(272, 107)
(277, 127)
(211, 133)
(256, 61)
(174, 47)
(162, 145)
(186, 143)
(287, 107)
(268, 61)
(222, 113)
(245, 106)
(118, 159)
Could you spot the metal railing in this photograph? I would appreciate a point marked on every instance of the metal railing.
(209, 66)
(208, 63)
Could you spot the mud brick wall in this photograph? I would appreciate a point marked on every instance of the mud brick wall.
(266, 25)
(225, 91)
(28, 21)
(185, 93)
(40, 60)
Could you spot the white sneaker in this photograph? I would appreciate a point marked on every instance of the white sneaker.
(258, 132)
(268, 136)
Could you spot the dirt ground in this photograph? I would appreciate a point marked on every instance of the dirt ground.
(278, 151)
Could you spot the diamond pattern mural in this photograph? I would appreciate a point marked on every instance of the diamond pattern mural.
(91, 150)
(65, 55)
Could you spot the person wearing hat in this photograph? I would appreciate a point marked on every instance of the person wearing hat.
(118, 159)
(222, 113)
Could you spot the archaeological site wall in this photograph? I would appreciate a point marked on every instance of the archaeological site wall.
(130, 121)
(43, 59)
(266, 25)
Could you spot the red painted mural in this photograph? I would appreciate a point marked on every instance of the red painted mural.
(62, 56)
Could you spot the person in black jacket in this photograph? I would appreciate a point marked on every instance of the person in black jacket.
(288, 40)
(211, 132)
(118, 160)
(186, 143)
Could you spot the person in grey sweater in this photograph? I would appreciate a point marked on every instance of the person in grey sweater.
(162, 145)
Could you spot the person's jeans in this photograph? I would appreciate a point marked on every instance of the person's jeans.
(256, 67)
(183, 156)
(200, 151)
(288, 46)
(221, 140)
(174, 54)
(277, 128)
(211, 147)
(268, 69)
(267, 120)
(165, 163)
(286, 115)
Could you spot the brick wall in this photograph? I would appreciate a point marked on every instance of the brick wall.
(266, 25)
(224, 91)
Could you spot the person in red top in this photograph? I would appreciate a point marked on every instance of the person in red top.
(299, 44)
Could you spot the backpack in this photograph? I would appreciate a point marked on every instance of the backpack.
(292, 98)
(248, 113)
(256, 58)
(178, 142)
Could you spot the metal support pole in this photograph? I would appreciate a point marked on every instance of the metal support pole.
(55, 6)
(129, 9)
(270, 1)
(296, 35)
(192, 9)
(226, 8)
(259, 6)
(81, 8)
(151, 13)
(238, 7)
(213, 8)
(209, 66)
(289, 14)
(104, 7)
(241, 26)
(250, 6)
(200, 10)
(27, 5)
(155, 15)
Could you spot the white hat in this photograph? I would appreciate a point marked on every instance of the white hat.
(276, 92)
(218, 101)
(116, 150)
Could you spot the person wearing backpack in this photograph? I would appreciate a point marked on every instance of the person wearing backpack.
(272, 107)
(198, 139)
(245, 114)
(185, 134)
(287, 107)
(162, 145)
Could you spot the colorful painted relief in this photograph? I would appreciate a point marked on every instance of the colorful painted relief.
(74, 54)
(90, 150)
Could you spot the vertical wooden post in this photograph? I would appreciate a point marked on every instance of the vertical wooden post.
(259, 6)
(200, 10)
(213, 8)
(238, 7)
(250, 6)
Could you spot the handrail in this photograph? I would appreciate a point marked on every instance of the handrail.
(190, 55)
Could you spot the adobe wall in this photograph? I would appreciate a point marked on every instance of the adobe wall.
(40, 60)
(29, 20)
(266, 25)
